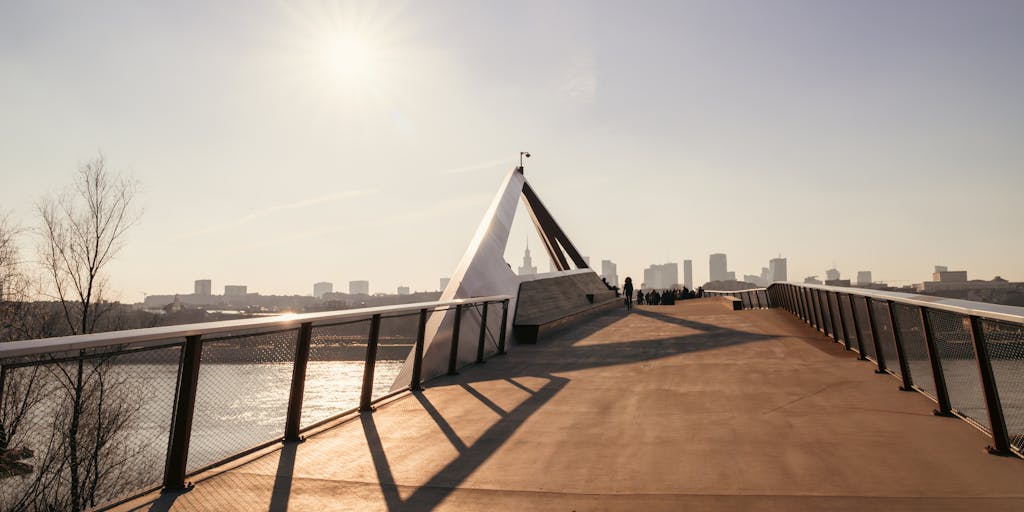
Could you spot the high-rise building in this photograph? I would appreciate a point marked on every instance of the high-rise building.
(235, 290)
(941, 268)
(718, 268)
(864, 278)
(661, 277)
(204, 287)
(688, 274)
(403, 290)
(528, 269)
(831, 275)
(777, 269)
(610, 272)
(322, 288)
(444, 282)
(358, 287)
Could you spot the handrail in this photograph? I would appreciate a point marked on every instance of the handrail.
(736, 291)
(1013, 314)
(112, 338)
(296, 331)
(907, 343)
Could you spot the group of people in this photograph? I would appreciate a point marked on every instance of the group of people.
(654, 297)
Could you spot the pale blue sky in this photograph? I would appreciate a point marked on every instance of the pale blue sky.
(283, 143)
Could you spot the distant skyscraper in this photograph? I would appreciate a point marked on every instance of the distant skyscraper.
(204, 287)
(322, 288)
(864, 278)
(718, 268)
(444, 282)
(358, 287)
(777, 269)
(661, 277)
(234, 290)
(831, 275)
(403, 290)
(527, 269)
(941, 268)
(609, 271)
(688, 274)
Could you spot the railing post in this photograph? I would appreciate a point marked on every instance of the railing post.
(417, 358)
(184, 408)
(831, 318)
(757, 297)
(501, 331)
(453, 357)
(908, 379)
(856, 328)
(805, 294)
(483, 336)
(879, 355)
(799, 294)
(842, 321)
(819, 311)
(295, 396)
(366, 396)
(1000, 436)
(941, 391)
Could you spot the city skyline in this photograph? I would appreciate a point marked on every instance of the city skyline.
(278, 145)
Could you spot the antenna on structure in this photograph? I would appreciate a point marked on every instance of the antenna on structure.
(521, 155)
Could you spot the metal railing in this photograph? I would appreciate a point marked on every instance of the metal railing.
(753, 298)
(966, 356)
(91, 419)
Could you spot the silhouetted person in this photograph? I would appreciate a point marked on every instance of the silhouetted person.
(640, 297)
(627, 290)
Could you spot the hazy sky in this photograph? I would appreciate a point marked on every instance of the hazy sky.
(283, 143)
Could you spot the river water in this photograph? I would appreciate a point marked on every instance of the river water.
(237, 407)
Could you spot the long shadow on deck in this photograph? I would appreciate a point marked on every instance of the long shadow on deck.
(568, 357)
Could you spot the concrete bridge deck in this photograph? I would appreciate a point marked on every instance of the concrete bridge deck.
(679, 407)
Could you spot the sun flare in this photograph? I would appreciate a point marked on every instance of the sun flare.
(349, 58)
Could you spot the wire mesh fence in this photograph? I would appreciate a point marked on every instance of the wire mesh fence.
(81, 429)
(864, 327)
(846, 310)
(85, 428)
(395, 342)
(953, 342)
(834, 316)
(915, 347)
(337, 353)
(883, 328)
(982, 392)
(1006, 348)
(242, 395)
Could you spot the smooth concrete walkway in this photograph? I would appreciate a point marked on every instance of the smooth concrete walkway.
(686, 407)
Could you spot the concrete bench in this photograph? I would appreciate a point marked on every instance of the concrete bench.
(554, 300)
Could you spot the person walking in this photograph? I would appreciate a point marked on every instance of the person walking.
(627, 292)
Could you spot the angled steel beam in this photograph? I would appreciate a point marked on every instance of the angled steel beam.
(551, 231)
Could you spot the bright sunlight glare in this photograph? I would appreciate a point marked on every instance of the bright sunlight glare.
(350, 58)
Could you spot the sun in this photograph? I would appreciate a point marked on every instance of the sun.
(351, 59)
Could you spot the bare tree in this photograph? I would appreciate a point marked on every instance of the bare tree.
(83, 228)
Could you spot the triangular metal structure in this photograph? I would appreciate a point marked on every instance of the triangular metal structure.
(483, 271)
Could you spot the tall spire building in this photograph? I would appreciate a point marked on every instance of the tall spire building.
(528, 269)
